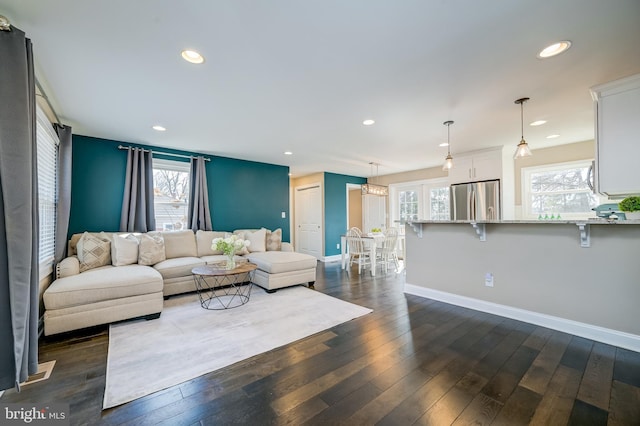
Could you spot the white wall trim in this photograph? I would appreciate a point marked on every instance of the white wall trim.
(593, 332)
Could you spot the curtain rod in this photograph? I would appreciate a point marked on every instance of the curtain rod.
(43, 95)
(162, 153)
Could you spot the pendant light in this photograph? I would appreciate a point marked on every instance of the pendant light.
(523, 148)
(448, 162)
(373, 188)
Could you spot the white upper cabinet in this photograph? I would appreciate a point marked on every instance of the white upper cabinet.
(618, 136)
(476, 166)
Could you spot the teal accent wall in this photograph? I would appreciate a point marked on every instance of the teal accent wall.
(247, 195)
(335, 209)
(242, 194)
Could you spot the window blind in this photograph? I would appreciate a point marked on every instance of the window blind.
(47, 146)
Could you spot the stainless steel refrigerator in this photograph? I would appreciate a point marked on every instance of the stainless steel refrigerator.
(476, 201)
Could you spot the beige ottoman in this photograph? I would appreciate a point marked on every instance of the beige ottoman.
(278, 269)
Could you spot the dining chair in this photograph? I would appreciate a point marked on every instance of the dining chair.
(358, 252)
(388, 253)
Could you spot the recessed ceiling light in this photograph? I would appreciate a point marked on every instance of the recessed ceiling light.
(368, 122)
(553, 136)
(444, 144)
(554, 49)
(288, 153)
(159, 128)
(538, 123)
(192, 56)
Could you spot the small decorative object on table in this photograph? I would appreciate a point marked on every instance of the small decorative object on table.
(229, 246)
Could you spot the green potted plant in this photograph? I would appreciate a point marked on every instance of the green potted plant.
(631, 207)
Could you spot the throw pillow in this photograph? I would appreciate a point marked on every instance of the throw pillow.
(151, 249)
(258, 240)
(204, 240)
(274, 240)
(124, 250)
(93, 252)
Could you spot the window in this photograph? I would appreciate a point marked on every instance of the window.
(439, 201)
(408, 202)
(171, 194)
(47, 146)
(558, 189)
(428, 199)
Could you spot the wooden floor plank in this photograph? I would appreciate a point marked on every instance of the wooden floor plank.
(584, 414)
(595, 388)
(539, 374)
(557, 402)
(624, 408)
(519, 408)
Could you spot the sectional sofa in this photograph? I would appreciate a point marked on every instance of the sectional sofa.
(110, 277)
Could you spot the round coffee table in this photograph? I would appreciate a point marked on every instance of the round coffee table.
(220, 288)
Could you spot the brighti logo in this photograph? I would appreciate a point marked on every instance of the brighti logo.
(26, 416)
(51, 414)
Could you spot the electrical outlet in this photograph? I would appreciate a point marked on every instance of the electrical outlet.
(488, 279)
(338, 246)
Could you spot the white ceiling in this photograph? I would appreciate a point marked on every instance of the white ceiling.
(302, 75)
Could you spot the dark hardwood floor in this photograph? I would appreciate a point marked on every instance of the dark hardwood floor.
(411, 361)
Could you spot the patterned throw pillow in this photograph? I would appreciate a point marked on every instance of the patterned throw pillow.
(274, 240)
(93, 252)
(151, 249)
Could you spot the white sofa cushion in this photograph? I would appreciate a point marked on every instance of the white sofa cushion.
(275, 262)
(106, 283)
(124, 250)
(203, 241)
(179, 244)
(178, 267)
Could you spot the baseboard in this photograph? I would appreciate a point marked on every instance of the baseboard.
(334, 258)
(593, 332)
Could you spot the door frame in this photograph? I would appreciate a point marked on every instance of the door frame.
(350, 187)
(296, 214)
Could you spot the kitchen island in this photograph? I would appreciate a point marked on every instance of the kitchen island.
(581, 277)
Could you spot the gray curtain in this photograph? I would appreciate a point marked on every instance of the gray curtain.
(137, 202)
(18, 211)
(63, 189)
(199, 214)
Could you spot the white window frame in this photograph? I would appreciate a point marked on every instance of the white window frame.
(47, 142)
(423, 188)
(173, 165)
(526, 192)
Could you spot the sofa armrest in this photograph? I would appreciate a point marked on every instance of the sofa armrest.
(287, 247)
(67, 267)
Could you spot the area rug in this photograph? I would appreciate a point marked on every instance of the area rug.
(188, 341)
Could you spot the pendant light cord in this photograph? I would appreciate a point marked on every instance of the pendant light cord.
(522, 120)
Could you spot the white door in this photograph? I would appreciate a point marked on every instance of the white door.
(308, 205)
(374, 212)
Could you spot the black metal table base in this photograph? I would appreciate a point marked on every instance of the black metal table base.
(223, 291)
